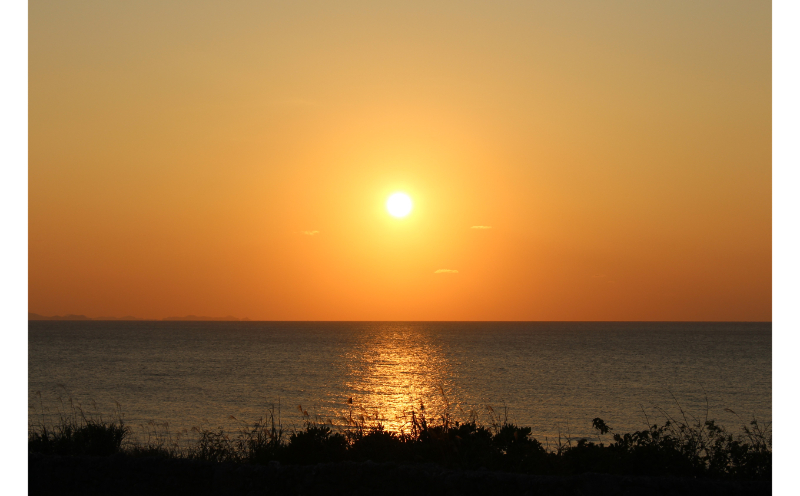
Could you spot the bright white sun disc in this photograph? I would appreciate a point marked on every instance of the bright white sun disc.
(399, 205)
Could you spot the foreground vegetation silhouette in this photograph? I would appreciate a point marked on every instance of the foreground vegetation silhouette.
(676, 448)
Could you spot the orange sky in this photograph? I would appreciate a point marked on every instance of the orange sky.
(620, 152)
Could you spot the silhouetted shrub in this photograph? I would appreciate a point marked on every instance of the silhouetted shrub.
(78, 434)
(378, 445)
(689, 449)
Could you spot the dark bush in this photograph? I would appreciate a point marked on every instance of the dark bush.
(699, 449)
(315, 444)
(76, 434)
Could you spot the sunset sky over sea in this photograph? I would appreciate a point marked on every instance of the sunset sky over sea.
(565, 160)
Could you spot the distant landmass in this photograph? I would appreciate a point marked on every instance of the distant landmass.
(36, 316)
(127, 317)
(195, 317)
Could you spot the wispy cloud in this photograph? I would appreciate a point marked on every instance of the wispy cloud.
(309, 233)
(481, 227)
(446, 271)
(294, 102)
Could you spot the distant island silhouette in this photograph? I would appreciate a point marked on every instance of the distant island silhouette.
(195, 317)
(36, 316)
(229, 318)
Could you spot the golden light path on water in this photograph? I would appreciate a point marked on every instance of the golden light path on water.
(394, 371)
(552, 377)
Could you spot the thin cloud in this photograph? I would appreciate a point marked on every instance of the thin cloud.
(446, 271)
(481, 227)
(309, 233)
(294, 102)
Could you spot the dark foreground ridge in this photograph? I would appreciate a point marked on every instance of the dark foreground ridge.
(432, 455)
(127, 475)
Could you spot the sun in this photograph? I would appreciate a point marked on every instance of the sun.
(399, 205)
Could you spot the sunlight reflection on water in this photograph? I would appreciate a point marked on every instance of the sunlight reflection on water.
(397, 369)
(553, 377)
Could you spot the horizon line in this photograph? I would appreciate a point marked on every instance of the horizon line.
(403, 321)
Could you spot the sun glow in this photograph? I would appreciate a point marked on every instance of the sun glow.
(399, 205)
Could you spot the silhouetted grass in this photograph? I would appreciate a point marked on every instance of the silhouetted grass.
(75, 433)
(684, 447)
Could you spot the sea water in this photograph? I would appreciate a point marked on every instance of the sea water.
(554, 377)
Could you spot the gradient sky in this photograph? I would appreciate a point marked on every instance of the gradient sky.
(181, 153)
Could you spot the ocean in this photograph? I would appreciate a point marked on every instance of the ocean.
(554, 377)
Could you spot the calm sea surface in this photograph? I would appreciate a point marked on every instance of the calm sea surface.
(552, 377)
